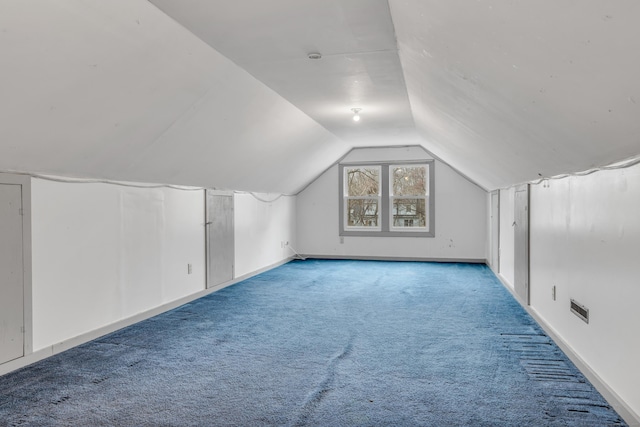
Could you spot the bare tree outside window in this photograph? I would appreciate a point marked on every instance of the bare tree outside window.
(387, 199)
(363, 190)
(409, 181)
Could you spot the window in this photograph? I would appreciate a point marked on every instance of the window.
(362, 197)
(387, 199)
(408, 194)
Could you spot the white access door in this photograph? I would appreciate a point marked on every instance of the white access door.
(494, 240)
(11, 273)
(220, 239)
(521, 243)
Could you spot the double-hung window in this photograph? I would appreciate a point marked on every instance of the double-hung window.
(387, 199)
(362, 191)
(408, 194)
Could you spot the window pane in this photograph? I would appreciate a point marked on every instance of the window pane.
(409, 213)
(409, 181)
(362, 181)
(362, 212)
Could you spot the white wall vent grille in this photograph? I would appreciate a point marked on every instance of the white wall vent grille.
(580, 310)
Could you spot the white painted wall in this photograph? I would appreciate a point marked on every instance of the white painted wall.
(102, 253)
(507, 259)
(585, 240)
(461, 216)
(260, 230)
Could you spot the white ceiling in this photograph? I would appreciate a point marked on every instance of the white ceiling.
(117, 90)
(507, 91)
(360, 67)
(222, 94)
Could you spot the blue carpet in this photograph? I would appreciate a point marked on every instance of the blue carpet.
(324, 343)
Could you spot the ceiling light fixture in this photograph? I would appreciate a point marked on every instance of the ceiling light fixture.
(356, 114)
(314, 55)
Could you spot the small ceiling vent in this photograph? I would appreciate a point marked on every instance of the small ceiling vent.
(580, 310)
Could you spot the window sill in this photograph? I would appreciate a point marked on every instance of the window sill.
(388, 233)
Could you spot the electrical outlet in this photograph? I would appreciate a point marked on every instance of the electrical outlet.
(341, 239)
(189, 269)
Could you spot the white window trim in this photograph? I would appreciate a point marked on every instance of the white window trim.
(386, 203)
(377, 197)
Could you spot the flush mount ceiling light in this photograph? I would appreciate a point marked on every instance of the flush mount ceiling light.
(356, 114)
(314, 55)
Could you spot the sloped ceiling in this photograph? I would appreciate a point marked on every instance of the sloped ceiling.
(221, 94)
(118, 90)
(360, 67)
(508, 91)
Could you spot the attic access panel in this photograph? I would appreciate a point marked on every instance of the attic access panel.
(220, 239)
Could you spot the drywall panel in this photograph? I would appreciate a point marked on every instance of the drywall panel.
(585, 240)
(102, 253)
(265, 230)
(507, 219)
(460, 216)
(183, 244)
(141, 263)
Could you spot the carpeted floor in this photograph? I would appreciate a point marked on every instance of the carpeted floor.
(323, 343)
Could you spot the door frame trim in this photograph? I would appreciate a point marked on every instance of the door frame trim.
(24, 181)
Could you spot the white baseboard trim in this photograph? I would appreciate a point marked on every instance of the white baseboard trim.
(41, 354)
(622, 408)
(392, 258)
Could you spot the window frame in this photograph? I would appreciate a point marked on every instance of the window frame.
(392, 198)
(377, 197)
(385, 228)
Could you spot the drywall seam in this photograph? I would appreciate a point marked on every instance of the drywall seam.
(198, 102)
(623, 409)
(36, 356)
